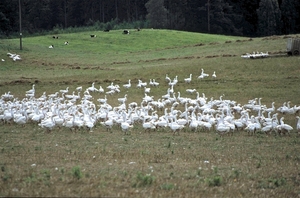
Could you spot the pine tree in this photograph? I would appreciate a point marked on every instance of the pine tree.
(269, 16)
(157, 13)
(288, 16)
(223, 20)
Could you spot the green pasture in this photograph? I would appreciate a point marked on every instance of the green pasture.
(156, 164)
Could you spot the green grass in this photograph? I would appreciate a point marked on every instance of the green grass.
(155, 164)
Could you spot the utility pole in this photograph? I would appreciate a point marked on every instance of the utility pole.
(20, 21)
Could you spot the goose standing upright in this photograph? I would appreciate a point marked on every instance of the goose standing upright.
(168, 79)
(125, 125)
(123, 100)
(101, 90)
(298, 124)
(284, 128)
(47, 123)
(188, 80)
(31, 91)
(155, 83)
(127, 86)
(92, 88)
(214, 76)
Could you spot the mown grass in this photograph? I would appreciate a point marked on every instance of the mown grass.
(155, 164)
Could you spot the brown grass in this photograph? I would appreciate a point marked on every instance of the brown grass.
(114, 164)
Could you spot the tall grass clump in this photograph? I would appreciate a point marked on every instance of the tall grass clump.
(76, 172)
(143, 180)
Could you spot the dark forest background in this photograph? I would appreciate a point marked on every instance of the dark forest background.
(229, 17)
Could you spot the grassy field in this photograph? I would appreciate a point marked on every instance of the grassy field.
(156, 164)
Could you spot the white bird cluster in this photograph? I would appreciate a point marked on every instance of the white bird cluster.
(15, 57)
(170, 112)
(255, 55)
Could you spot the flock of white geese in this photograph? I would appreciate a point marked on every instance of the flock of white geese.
(170, 112)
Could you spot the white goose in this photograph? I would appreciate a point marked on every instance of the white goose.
(47, 123)
(155, 83)
(191, 91)
(147, 89)
(64, 91)
(125, 125)
(22, 120)
(168, 79)
(284, 128)
(127, 86)
(148, 125)
(298, 124)
(101, 90)
(189, 79)
(8, 115)
(151, 82)
(108, 124)
(214, 76)
(102, 100)
(92, 88)
(221, 127)
(79, 88)
(31, 91)
(123, 100)
(175, 127)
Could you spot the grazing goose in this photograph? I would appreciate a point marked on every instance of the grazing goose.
(79, 88)
(191, 90)
(147, 89)
(64, 91)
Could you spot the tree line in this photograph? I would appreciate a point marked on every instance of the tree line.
(230, 17)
